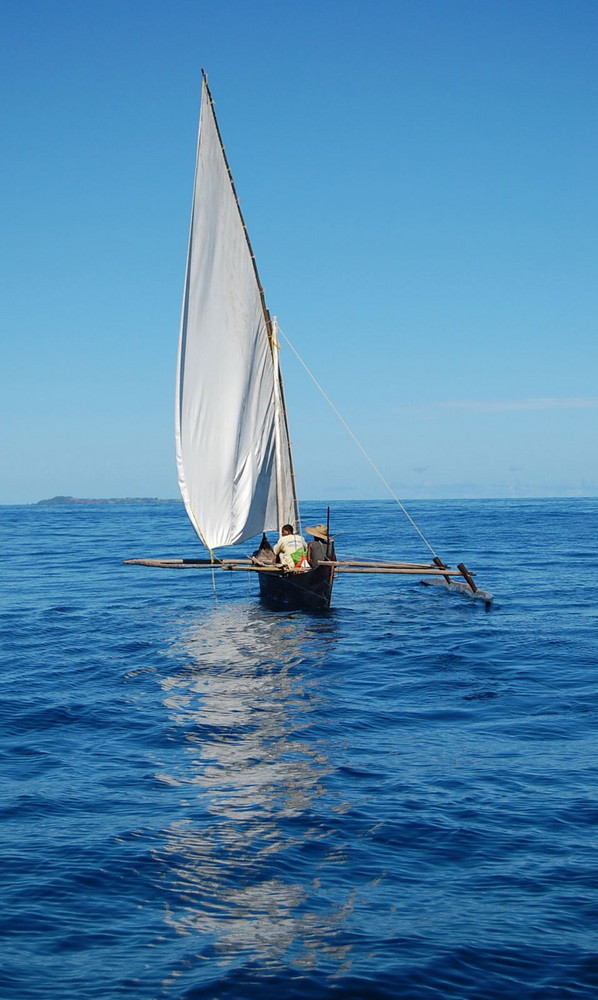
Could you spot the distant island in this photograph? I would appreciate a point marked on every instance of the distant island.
(87, 501)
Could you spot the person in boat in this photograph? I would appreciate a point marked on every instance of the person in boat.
(290, 547)
(322, 546)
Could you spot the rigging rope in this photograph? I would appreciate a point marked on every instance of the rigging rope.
(358, 443)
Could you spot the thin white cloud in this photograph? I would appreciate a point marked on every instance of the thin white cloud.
(511, 405)
(503, 405)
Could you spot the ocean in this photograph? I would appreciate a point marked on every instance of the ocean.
(202, 798)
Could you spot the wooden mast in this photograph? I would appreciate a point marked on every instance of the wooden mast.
(266, 312)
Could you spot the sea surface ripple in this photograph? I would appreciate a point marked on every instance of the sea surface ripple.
(203, 798)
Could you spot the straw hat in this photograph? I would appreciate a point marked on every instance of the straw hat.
(319, 531)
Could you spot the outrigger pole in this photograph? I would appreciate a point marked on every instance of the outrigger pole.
(431, 573)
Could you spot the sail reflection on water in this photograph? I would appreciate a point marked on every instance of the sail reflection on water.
(244, 868)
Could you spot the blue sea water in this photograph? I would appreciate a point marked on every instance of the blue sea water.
(204, 798)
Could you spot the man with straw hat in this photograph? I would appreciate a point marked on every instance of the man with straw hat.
(322, 547)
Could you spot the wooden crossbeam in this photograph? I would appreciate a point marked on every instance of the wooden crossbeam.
(376, 562)
(349, 566)
(397, 570)
(175, 563)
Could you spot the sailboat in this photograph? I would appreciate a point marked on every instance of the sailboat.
(234, 460)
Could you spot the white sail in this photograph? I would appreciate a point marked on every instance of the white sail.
(233, 455)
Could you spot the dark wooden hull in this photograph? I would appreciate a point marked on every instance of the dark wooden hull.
(310, 591)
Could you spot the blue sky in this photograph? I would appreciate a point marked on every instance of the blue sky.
(419, 183)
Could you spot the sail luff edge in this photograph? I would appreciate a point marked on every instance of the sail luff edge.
(265, 310)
